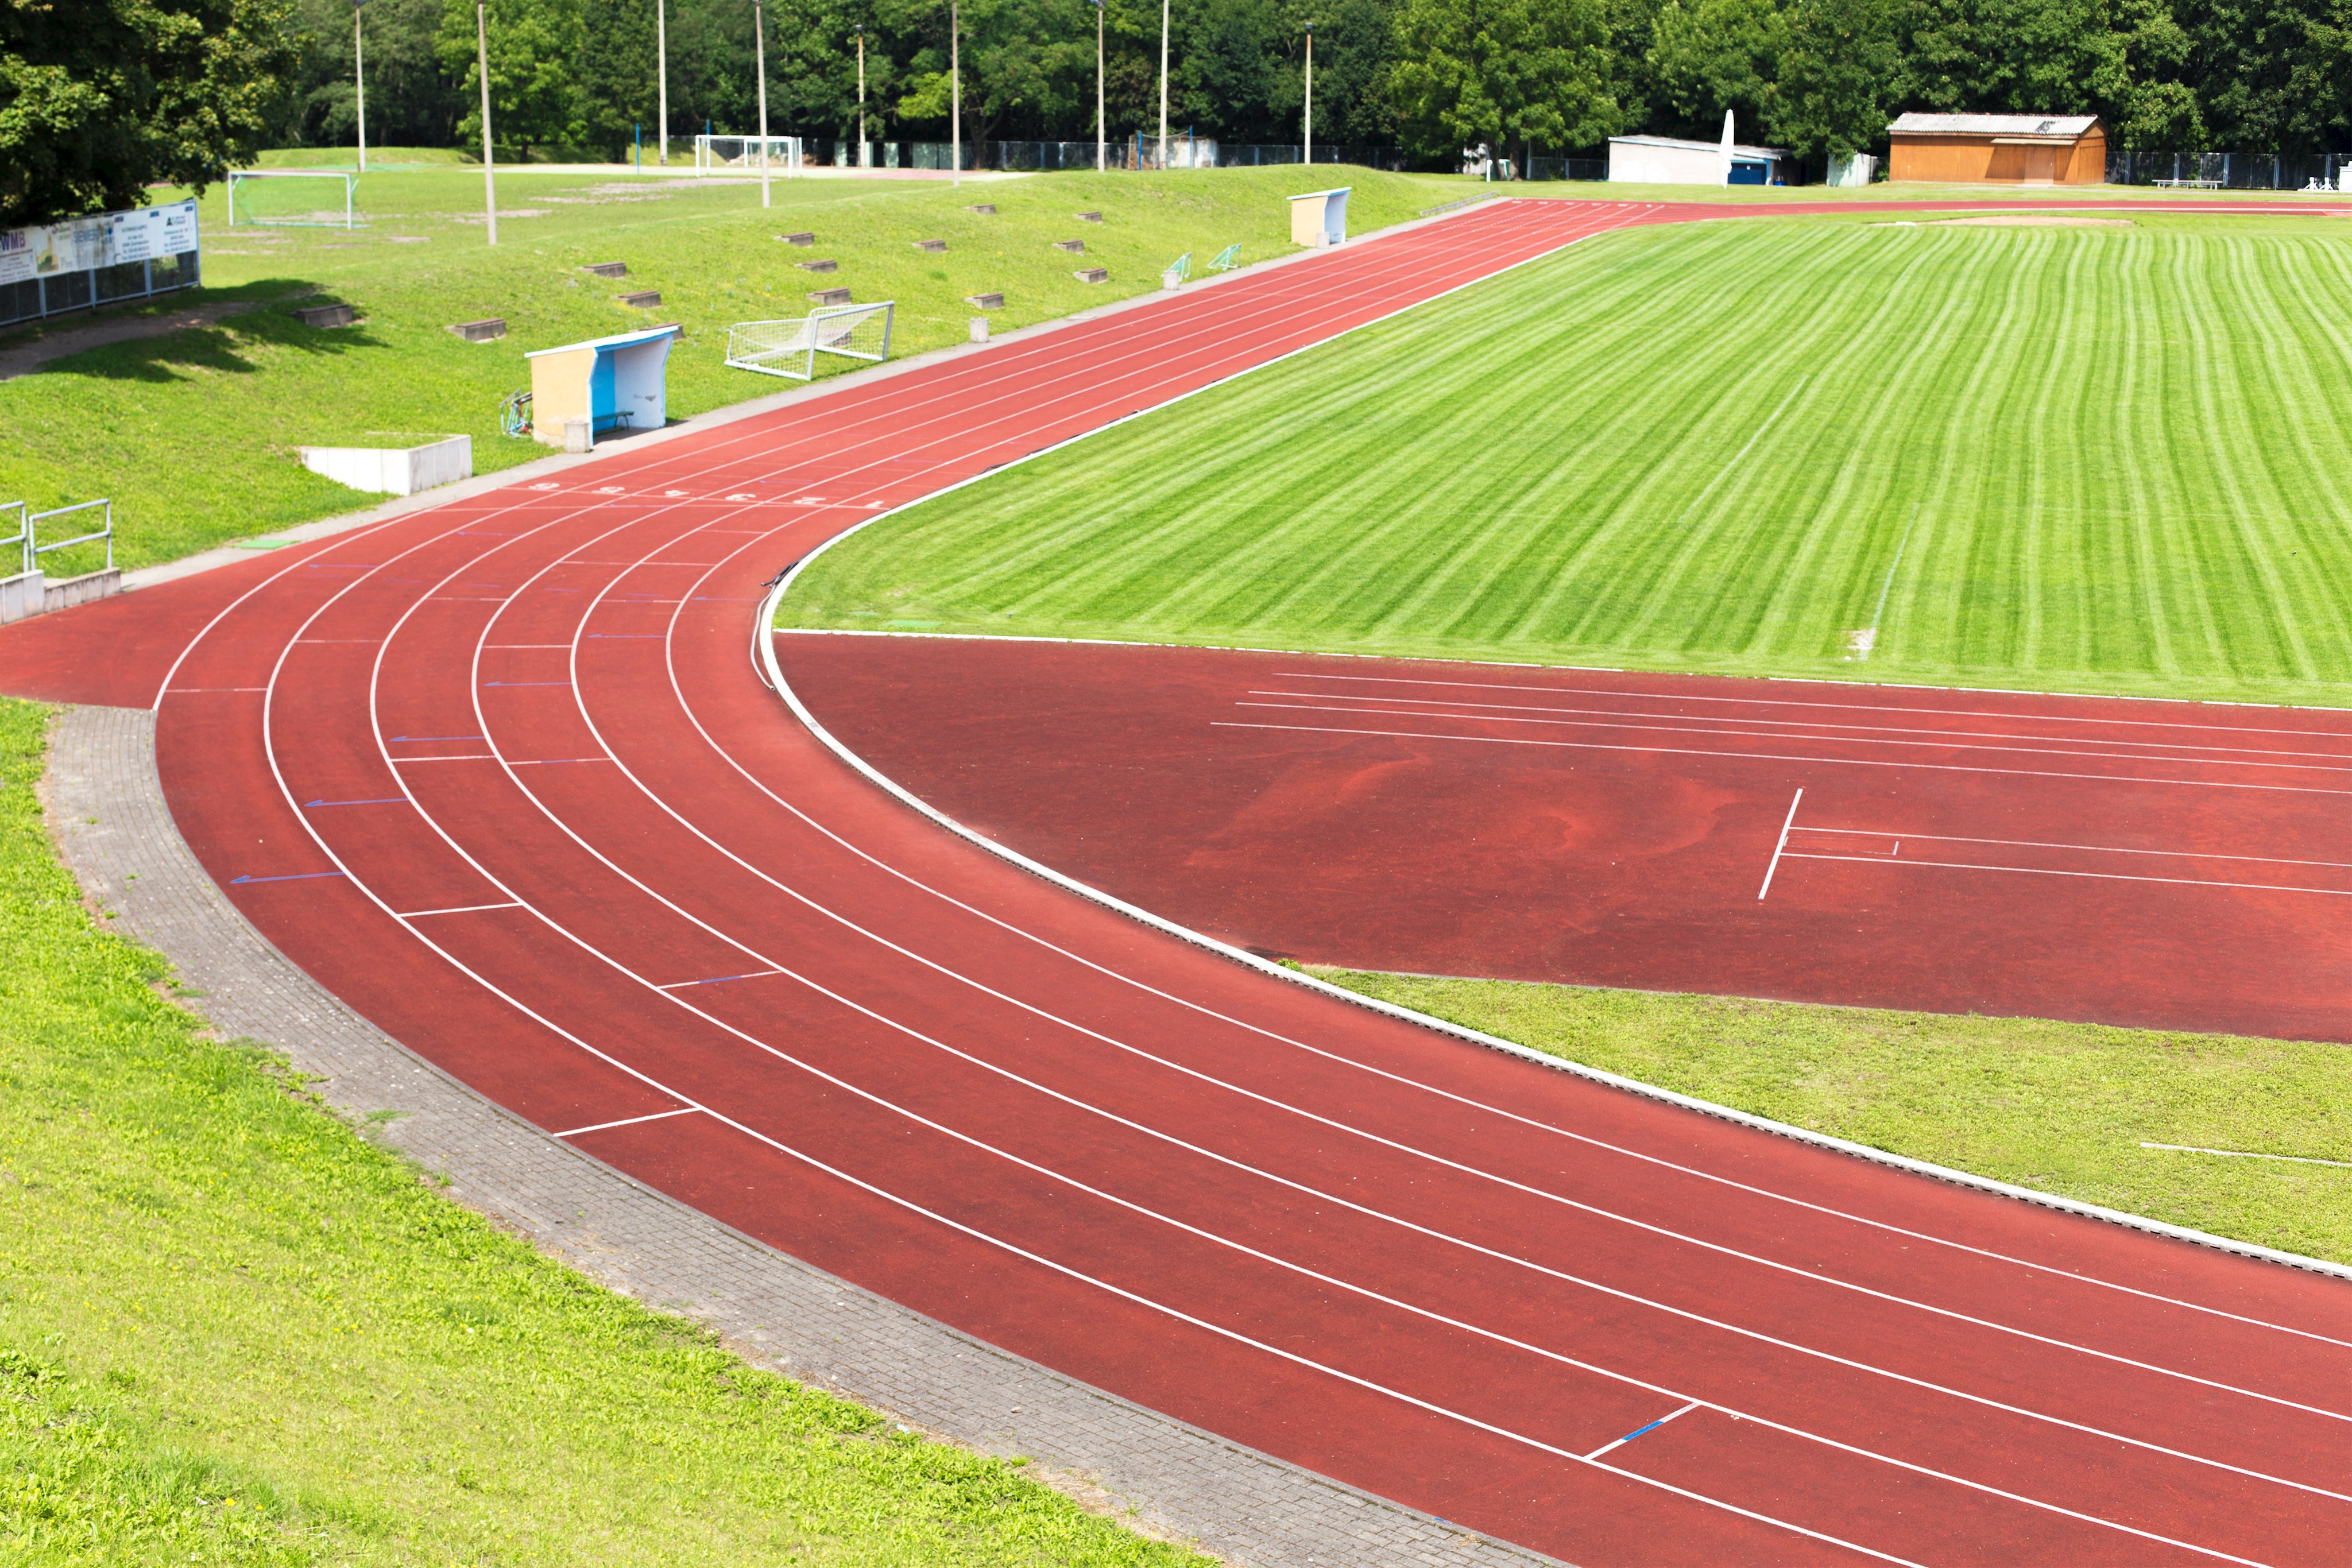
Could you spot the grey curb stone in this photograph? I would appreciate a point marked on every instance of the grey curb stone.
(106, 806)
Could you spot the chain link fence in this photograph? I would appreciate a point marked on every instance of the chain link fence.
(1131, 152)
(2232, 171)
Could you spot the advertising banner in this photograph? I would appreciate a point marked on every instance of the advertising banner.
(79, 244)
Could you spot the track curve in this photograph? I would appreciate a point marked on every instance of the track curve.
(505, 776)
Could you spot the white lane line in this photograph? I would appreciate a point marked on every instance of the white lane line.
(628, 1122)
(1780, 845)
(1711, 724)
(1638, 1431)
(715, 979)
(1840, 707)
(458, 909)
(2087, 875)
(1695, 728)
(2092, 849)
(2249, 1155)
(1778, 757)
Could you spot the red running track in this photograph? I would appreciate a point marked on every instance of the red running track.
(503, 774)
(2173, 865)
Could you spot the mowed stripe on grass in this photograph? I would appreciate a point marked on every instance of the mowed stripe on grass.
(2103, 458)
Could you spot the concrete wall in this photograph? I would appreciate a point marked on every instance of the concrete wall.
(393, 471)
(1632, 163)
(31, 592)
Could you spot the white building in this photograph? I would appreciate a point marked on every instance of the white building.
(1665, 161)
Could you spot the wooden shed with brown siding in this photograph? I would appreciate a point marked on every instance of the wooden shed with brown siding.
(1998, 149)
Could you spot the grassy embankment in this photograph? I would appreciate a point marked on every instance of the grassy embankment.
(194, 433)
(234, 1331)
(2104, 455)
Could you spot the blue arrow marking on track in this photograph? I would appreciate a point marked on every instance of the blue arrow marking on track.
(526, 683)
(379, 800)
(297, 876)
(437, 737)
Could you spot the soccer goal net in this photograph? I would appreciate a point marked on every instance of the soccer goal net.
(718, 154)
(312, 198)
(791, 348)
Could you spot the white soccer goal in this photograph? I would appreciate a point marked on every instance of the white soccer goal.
(791, 348)
(722, 153)
(292, 197)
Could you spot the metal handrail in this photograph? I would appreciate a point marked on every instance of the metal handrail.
(34, 550)
(24, 535)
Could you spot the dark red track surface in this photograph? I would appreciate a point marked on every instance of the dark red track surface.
(501, 774)
(2168, 864)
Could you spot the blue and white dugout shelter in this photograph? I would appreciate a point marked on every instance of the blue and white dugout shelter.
(620, 383)
(1319, 217)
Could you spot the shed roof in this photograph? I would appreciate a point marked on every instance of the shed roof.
(2051, 125)
(618, 340)
(1738, 149)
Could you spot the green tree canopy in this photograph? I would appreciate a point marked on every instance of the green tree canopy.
(99, 100)
(537, 97)
(1505, 71)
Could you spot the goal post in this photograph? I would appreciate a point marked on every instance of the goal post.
(791, 348)
(293, 198)
(786, 154)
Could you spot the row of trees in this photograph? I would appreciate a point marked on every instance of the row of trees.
(97, 99)
(1431, 75)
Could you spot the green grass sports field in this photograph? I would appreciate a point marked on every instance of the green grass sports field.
(2099, 458)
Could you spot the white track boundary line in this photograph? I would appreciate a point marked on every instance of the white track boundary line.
(1712, 724)
(2086, 849)
(2335, 765)
(2087, 875)
(1815, 682)
(1783, 757)
(628, 1122)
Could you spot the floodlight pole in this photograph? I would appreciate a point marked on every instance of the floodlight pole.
(760, 55)
(955, 90)
(864, 158)
(482, 66)
(1102, 129)
(359, 79)
(1163, 83)
(661, 74)
(1310, 92)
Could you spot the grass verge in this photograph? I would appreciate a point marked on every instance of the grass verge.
(193, 432)
(233, 1330)
(2089, 459)
(2058, 1107)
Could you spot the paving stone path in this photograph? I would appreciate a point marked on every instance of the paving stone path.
(106, 806)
